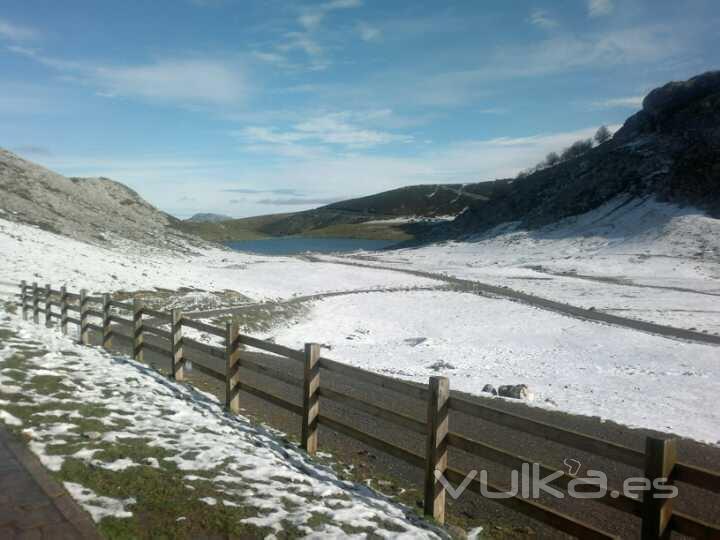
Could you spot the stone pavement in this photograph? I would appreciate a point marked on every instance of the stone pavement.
(32, 504)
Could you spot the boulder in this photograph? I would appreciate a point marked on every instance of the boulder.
(515, 391)
(490, 389)
(676, 95)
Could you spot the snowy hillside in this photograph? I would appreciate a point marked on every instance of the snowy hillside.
(96, 210)
(74, 412)
(637, 258)
(633, 257)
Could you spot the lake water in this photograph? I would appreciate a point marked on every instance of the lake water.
(291, 245)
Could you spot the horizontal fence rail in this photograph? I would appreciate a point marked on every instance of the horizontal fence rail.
(657, 462)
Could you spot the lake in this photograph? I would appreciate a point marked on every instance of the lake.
(297, 244)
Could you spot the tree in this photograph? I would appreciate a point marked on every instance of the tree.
(576, 149)
(602, 135)
(552, 159)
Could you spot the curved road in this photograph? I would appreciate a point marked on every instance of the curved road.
(478, 287)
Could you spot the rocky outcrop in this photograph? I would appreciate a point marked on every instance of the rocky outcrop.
(96, 210)
(670, 149)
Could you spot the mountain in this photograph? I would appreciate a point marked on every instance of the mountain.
(208, 218)
(375, 216)
(670, 150)
(96, 210)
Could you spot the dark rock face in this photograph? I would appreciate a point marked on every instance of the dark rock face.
(670, 149)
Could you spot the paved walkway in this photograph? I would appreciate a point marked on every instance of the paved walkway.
(33, 505)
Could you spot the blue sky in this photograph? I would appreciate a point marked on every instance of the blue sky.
(252, 107)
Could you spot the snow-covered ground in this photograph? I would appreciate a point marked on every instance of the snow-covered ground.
(640, 259)
(245, 465)
(32, 254)
(577, 366)
(636, 258)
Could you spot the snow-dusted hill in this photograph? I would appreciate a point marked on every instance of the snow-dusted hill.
(638, 258)
(95, 210)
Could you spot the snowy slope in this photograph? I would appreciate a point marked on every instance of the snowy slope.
(29, 253)
(245, 465)
(638, 258)
(576, 366)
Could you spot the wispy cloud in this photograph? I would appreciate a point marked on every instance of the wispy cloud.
(305, 39)
(16, 32)
(630, 102)
(540, 18)
(185, 81)
(368, 33)
(335, 129)
(200, 80)
(599, 8)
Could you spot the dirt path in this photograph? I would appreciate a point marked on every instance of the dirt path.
(618, 281)
(480, 288)
(307, 298)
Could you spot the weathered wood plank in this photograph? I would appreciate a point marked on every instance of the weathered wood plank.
(138, 330)
(311, 401)
(660, 457)
(177, 361)
(436, 448)
(693, 527)
(390, 449)
(371, 409)
(395, 385)
(577, 440)
(269, 371)
(697, 476)
(215, 352)
(515, 462)
(270, 398)
(157, 314)
(204, 327)
(107, 323)
(533, 509)
(232, 358)
(272, 347)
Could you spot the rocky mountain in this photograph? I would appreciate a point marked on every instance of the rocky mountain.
(669, 149)
(208, 218)
(97, 210)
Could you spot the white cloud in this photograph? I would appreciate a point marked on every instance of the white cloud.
(16, 32)
(336, 129)
(540, 18)
(203, 81)
(185, 81)
(630, 102)
(369, 33)
(312, 20)
(599, 8)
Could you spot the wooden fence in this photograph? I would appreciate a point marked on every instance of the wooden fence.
(657, 462)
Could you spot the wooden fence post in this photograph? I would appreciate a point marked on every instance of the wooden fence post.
(36, 303)
(311, 402)
(138, 338)
(23, 299)
(48, 306)
(84, 337)
(660, 458)
(107, 324)
(177, 362)
(232, 364)
(436, 447)
(64, 310)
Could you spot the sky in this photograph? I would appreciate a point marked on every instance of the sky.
(246, 107)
